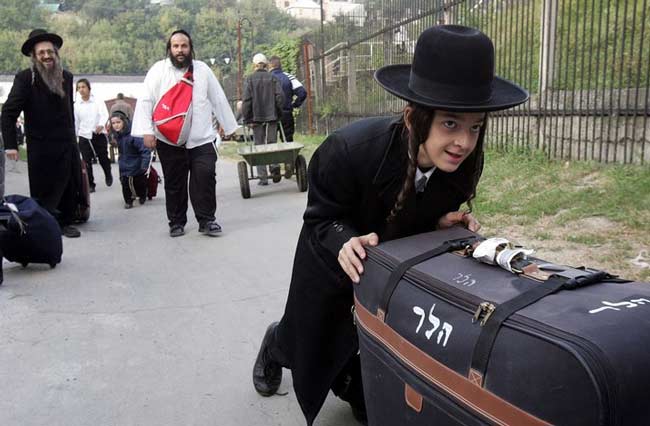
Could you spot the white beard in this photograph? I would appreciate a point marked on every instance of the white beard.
(52, 77)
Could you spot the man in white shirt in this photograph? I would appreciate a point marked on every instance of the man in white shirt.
(90, 119)
(197, 158)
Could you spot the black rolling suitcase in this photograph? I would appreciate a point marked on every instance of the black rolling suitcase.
(447, 340)
(28, 232)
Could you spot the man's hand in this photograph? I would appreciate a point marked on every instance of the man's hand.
(352, 253)
(463, 218)
(12, 154)
(99, 129)
(149, 141)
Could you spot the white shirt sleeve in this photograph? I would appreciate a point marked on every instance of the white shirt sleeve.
(220, 107)
(142, 122)
(103, 115)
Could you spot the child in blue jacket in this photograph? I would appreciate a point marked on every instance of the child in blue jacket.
(133, 160)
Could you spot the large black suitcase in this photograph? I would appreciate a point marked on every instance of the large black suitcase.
(438, 346)
(29, 233)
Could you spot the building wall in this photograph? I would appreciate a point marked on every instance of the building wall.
(103, 87)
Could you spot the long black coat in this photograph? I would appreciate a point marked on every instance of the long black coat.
(354, 179)
(53, 156)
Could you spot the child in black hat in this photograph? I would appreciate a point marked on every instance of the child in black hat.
(380, 179)
(134, 160)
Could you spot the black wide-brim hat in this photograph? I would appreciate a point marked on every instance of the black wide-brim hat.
(37, 36)
(452, 70)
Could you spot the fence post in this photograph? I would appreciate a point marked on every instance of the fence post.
(310, 112)
(546, 63)
(352, 80)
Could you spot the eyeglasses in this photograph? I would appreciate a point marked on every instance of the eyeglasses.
(48, 52)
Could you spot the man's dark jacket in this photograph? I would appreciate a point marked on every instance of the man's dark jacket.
(354, 179)
(263, 98)
(289, 92)
(52, 155)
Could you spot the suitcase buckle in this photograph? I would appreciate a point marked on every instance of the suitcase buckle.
(462, 243)
(483, 313)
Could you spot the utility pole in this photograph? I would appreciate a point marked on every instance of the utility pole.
(239, 70)
(240, 74)
(322, 57)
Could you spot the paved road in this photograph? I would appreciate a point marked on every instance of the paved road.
(136, 328)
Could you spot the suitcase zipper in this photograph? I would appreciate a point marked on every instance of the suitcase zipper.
(579, 347)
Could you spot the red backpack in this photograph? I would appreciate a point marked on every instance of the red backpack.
(172, 116)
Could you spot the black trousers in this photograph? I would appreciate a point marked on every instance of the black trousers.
(134, 186)
(99, 149)
(54, 178)
(288, 125)
(199, 163)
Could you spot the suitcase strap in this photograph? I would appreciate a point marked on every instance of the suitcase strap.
(490, 330)
(397, 274)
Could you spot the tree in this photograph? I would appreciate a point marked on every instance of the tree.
(21, 15)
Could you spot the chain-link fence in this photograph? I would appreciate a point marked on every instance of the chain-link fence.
(586, 64)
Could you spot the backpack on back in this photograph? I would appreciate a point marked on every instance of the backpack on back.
(172, 115)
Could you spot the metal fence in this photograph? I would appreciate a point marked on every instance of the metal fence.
(586, 64)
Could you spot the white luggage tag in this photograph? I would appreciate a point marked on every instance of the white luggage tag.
(486, 252)
(507, 255)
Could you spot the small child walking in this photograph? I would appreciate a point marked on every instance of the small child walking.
(134, 160)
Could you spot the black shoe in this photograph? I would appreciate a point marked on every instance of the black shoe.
(263, 182)
(142, 200)
(128, 205)
(92, 188)
(109, 180)
(276, 176)
(267, 373)
(70, 231)
(210, 228)
(176, 231)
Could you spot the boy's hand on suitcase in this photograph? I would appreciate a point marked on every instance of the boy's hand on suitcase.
(459, 218)
(352, 253)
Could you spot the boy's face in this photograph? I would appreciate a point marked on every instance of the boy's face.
(452, 138)
(83, 90)
(117, 124)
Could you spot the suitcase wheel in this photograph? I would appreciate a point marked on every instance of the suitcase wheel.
(24, 264)
(150, 198)
(52, 265)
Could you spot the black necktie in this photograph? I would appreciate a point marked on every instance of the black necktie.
(421, 184)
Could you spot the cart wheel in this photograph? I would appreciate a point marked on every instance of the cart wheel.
(301, 173)
(243, 180)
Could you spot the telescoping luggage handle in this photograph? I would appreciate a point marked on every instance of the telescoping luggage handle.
(400, 270)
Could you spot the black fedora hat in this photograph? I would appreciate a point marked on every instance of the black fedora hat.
(37, 36)
(453, 70)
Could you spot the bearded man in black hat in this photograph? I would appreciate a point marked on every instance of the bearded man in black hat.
(44, 93)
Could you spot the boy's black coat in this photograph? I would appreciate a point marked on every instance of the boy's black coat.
(354, 179)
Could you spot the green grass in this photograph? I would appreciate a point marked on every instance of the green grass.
(528, 187)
